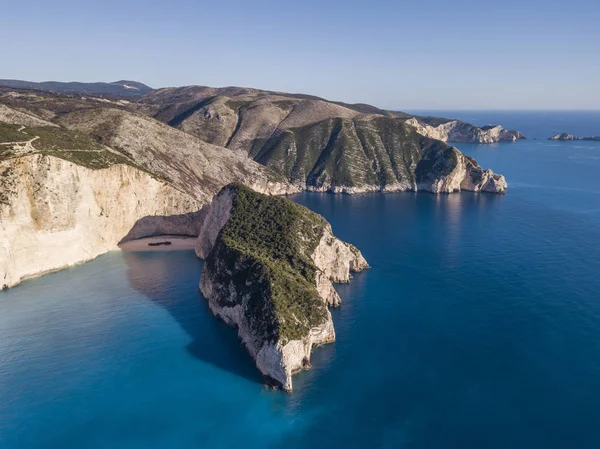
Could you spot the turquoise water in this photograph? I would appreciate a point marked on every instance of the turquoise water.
(478, 326)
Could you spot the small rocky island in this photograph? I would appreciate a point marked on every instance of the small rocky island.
(565, 136)
(269, 268)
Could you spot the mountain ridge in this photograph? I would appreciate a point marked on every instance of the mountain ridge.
(123, 88)
(317, 144)
(137, 90)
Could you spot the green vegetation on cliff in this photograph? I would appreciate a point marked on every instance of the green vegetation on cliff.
(267, 244)
(378, 151)
(72, 146)
(10, 133)
(316, 143)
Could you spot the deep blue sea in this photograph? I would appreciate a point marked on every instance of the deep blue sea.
(478, 326)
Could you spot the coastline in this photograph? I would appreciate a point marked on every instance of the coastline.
(178, 243)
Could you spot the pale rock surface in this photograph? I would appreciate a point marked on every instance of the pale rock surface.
(354, 190)
(464, 175)
(334, 258)
(217, 215)
(54, 213)
(457, 131)
(189, 164)
(565, 136)
(15, 117)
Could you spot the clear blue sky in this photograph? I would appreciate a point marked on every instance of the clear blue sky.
(434, 54)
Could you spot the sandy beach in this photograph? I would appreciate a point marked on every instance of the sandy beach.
(177, 243)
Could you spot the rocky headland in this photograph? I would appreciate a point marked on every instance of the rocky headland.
(565, 136)
(269, 268)
(319, 145)
(458, 131)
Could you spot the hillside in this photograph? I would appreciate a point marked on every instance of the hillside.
(317, 144)
(117, 88)
(313, 143)
(186, 162)
(74, 188)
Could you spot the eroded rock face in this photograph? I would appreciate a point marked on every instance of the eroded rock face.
(190, 165)
(275, 293)
(218, 214)
(451, 171)
(54, 213)
(66, 198)
(315, 144)
(565, 136)
(457, 131)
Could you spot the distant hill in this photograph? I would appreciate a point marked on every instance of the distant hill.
(312, 143)
(565, 136)
(120, 88)
(326, 146)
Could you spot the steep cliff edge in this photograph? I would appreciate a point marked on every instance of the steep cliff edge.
(451, 171)
(67, 197)
(55, 213)
(269, 269)
(458, 131)
(188, 163)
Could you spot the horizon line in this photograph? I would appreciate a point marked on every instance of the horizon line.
(393, 109)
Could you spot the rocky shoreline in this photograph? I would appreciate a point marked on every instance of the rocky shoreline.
(462, 132)
(565, 136)
(275, 289)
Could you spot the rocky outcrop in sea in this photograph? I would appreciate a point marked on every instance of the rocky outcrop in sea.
(269, 268)
(461, 132)
(565, 136)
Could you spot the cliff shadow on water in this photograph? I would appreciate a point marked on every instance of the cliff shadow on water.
(155, 275)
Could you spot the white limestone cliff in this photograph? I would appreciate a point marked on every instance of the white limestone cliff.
(336, 259)
(457, 131)
(456, 172)
(276, 360)
(218, 213)
(54, 213)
